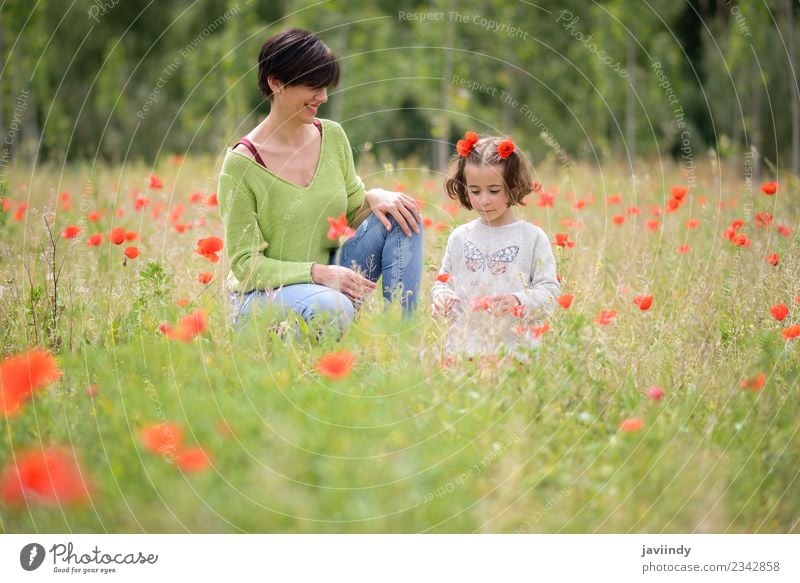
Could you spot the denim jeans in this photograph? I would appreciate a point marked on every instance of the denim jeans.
(373, 251)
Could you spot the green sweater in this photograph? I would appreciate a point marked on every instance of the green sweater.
(275, 230)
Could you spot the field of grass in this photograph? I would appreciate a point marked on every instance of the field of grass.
(404, 443)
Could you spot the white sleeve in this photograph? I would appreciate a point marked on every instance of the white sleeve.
(539, 295)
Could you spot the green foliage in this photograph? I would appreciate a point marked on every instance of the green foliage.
(174, 78)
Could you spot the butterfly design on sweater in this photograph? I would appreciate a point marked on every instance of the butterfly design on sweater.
(497, 262)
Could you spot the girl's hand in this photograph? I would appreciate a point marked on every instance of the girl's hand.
(401, 206)
(443, 302)
(344, 279)
(503, 304)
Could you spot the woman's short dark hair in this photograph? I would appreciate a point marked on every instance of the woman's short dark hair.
(516, 174)
(297, 57)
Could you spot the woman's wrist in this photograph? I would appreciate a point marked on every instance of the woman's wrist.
(316, 271)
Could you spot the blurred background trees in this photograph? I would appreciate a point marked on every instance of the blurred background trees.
(109, 80)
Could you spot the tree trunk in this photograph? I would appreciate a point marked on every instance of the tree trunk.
(442, 145)
(338, 101)
(755, 121)
(630, 102)
(793, 86)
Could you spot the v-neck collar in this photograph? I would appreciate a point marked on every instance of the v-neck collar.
(325, 132)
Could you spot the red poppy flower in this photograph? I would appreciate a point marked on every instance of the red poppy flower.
(188, 328)
(161, 437)
(209, 247)
(655, 393)
(754, 384)
(176, 213)
(546, 199)
(565, 300)
(631, 424)
(427, 222)
(140, 202)
(481, 303)
(538, 331)
(21, 375)
(785, 230)
(19, 214)
(181, 227)
(155, 183)
(741, 240)
(579, 204)
(614, 199)
(773, 259)
(443, 277)
(117, 236)
(212, 200)
(769, 188)
(779, 311)
(536, 186)
(131, 252)
(71, 232)
(606, 317)
(339, 228)
(440, 226)
(51, 477)
(196, 197)
(633, 210)
(505, 148)
(562, 240)
(182, 303)
(763, 219)
(131, 235)
(656, 211)
(692, 223)
(678, 192)
(194, 459)
(94, 216)
(619, 219)
(517, 311)
(205, 277)
(683, 249)
(791, 332)
(644, 302)
(336, 365)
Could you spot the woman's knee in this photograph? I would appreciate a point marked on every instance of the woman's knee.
(331, 304)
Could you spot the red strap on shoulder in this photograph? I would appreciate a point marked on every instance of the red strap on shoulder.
(319, 125)
(250, 146)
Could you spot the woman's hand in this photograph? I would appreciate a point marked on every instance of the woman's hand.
(443, 302)
(344, 279)
(401, 206)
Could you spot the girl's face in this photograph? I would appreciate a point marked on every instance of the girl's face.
(488, 194)
(301, 101)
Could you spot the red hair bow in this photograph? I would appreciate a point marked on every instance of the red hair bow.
(464, 147)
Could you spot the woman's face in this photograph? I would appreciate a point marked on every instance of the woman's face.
(301, 101)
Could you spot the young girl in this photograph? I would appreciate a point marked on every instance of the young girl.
(498, 277)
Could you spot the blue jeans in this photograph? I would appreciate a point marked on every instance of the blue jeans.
(374, 252)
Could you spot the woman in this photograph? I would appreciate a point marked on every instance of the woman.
(281, 183)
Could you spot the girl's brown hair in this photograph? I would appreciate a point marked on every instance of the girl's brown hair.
(516, 175)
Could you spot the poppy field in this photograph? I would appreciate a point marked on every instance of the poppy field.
(664, 396)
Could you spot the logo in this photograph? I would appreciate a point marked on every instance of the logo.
(31, 556)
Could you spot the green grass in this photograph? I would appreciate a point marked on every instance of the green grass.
(402, 444)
